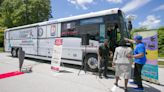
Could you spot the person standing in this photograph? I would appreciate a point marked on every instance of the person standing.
(139, 59)
(111, 36)
(103, 53)
(122, 63)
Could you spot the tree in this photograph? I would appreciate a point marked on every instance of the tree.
(1, 36)
(1, 1)
(137, 30)
(22, 12)
(161, 41)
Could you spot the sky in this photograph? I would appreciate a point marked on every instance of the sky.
(145, 13)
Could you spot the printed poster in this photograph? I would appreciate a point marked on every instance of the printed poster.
(150, 69)
(56, 54)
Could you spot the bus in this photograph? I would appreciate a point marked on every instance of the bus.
(37, 40)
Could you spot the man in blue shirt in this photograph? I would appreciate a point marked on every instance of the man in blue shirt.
(139, 59)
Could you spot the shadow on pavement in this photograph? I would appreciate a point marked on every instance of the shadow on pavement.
(110, 73)
(146, 89)
(64, 71)
(151, 88)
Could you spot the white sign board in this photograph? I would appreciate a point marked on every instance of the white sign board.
(56, 54)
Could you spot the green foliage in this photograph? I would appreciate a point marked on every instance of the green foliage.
(137, 30)
(161, 41)
(1, 49)
(13, 12)
(1, 36)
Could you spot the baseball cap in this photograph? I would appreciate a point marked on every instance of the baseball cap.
(137, 37)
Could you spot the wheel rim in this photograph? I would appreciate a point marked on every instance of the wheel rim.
(92, 62)
(14, 52)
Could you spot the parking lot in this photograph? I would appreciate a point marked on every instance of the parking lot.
(42, 79)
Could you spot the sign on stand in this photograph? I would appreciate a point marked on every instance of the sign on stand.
(56, 55)
(150, 69)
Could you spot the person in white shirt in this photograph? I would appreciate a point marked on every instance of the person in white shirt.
(122, 63)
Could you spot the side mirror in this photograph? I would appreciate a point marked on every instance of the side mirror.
(130, 25)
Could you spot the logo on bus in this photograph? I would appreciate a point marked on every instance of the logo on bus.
(40, 31)
(58, 42)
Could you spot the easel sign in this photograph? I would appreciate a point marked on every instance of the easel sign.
(56, 54)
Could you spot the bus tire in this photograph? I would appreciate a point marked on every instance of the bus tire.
(91, 62)
(14, 52)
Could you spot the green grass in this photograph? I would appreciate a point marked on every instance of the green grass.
(161, 55)
(160, 62)
(1, 49)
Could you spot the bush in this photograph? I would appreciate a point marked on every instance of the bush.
(1, 36)
(161, 41)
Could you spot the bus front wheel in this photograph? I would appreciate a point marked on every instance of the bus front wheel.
(91, 62)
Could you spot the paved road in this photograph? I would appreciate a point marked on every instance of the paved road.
(42, 79)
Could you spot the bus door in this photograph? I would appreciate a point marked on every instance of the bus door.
(42, 41)
(102, 33)
(111, 35)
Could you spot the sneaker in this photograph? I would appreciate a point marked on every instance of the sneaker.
(116, 84)
(139, 89)
(125, 90)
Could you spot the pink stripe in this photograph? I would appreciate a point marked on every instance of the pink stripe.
(55, 68)
(10, 74)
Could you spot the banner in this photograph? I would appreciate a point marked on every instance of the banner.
(150, 69)
(56, 54)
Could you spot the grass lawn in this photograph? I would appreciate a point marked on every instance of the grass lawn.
(1, 49)
(161, 55)
(160, 62)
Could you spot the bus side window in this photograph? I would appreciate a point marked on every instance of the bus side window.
(91, 29)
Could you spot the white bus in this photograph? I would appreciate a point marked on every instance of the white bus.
(37, 40)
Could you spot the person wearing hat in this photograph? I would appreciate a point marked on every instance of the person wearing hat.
(103, 54)
(122, 63)
(139, 60)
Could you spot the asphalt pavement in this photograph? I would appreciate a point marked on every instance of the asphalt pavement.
(43, 79)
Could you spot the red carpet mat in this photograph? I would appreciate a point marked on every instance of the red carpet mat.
(10, 74)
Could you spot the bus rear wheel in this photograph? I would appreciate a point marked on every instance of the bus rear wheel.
(14, 52)
(91, 62)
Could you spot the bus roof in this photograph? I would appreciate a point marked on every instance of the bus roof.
(88, 15)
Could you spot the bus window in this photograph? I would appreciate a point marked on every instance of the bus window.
(92, 30)
(102, 33)
(6, 35)
(69, 30)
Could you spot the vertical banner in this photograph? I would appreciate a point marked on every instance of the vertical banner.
(56, 54)
(150, 69)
